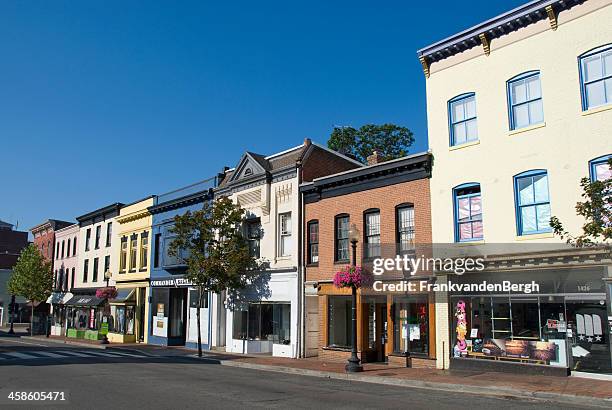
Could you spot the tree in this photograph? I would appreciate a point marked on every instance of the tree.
(211, 243)
(390, 141)
(596, 209)
(32, 278)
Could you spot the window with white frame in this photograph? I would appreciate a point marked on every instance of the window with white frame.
(284, 225)
(532, 202)
(372, 233)
(596, 77)
(525, 100)
(405, 228)
(462, 116)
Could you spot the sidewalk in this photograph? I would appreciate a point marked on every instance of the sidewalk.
(567, 390)
(95, 344)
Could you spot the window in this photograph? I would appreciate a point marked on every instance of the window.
(94, 277)
(263, 321)
(106, 264)
(525, 100)
(144, 249)
(284, 222)
(74, 246)
(600, 169)
(122, 319)
(253, 235)
(63, 248)
(57, 251)
(372, 233)
(87, 238)
(339, 321)
(596, 77)
(133, 251)
(342, 238)
(411, 324)
(468, 213)
(172, 260)
(405, 228)
(72, 278)
(49, 250)
(313, 242)
(68, 248)
(157, 250)
(194, 298)
(109, 233)
(532, 202)
(98, 233)
(462, 116)
(123, 254)
(85, 270)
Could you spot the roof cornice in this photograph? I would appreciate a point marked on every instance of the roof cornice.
(100, 212)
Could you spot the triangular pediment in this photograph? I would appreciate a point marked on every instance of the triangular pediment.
(250, 165)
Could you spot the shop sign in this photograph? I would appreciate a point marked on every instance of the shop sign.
(171, 282)
(92, 318)
(104, 328)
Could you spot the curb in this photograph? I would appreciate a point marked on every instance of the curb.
(66, 342)
(499, 392)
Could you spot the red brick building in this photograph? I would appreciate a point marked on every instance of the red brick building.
(44, 236)
(389, 204)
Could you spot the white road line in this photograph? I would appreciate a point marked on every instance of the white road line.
(104, 354)
(129, 354)
(13, 340)
(49, 354)
(77, 354)
(20, 355)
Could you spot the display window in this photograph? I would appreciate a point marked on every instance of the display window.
(411, 324)
(264, 322)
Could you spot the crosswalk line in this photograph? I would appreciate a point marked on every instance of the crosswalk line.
(49, 354)
(76, 354)
(129, 354)
(103, 354)
(19, 355)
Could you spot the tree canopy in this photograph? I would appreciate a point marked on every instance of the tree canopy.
(390, 141)
(32, 276)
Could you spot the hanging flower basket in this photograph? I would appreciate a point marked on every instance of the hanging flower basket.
(350, 276)
(106, 293)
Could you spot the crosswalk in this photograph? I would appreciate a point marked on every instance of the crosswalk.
(65, 354)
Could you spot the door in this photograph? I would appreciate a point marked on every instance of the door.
(178, 317)
(376, 311)
(589, 341)
(141, 313)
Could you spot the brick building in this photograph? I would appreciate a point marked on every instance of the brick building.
(389, 204)
(44, 236)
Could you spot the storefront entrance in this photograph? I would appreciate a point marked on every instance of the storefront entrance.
(375, 309)
(589, 340)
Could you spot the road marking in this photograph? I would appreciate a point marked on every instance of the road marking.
(77, 354)
(49, 354)
(104, 354)
(12, 340)
(128, 354)
(19, 355)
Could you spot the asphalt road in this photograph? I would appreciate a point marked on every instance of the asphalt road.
(92, 379)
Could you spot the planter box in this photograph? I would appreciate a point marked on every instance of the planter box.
(92, 335)
(75, 334)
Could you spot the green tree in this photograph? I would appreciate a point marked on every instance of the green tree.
(596, 209)
(211, 243)
(390, 141)
(32, 278)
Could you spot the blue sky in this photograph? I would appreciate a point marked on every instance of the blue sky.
(112, 101)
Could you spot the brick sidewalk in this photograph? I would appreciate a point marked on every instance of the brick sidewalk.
(530, 384)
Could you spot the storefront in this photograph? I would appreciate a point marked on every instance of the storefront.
(85, 315)
(58, 300)
(563, 323)
(122, 316)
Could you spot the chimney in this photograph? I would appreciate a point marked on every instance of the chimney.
(221, 176)
(307, 142)
(375, 158)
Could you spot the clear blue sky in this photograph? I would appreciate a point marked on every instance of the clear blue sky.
(111, 101)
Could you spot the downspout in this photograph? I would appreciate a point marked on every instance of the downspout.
(300, 284)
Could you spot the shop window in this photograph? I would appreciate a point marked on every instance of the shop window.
(133, 251)
(525, 100)
(596, 77)
(284, 234)
(144, 250)
(123, 254)
(405, 228)
(264, 322)
(193, 298)
(98, 234)
(313, 242)
(372, 233)
(411, 325)
(121, 319)
(532, 202)
(339, 321)
(462, 116)
(341, 238)
(253, 235)
(468, 213)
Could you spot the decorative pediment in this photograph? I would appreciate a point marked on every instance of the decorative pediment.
(250, 165)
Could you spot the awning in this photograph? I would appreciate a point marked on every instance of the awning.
(84, 300)
(59, 298)
(124, 296)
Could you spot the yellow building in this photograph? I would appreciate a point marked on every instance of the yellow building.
(129, 309)
(519, 109)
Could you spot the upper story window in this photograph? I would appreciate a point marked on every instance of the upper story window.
(63, 248)
(532, 202)
(57, 251)
(462, 117)
(106, 263)
(313, 242)
(341, 237)
(133, 251)
(144, 250)
(85, 270)
(96, 263)
(98, 234)
(49, 249)
(372, 233)
(596, 77)
(74, 246)
(68, 248)
(87, 238)
(600, 169)
(253, 236)
(468, 213)
(109, 233)
(525, 100)
(405, 228)
(284, 223)
(123, 254)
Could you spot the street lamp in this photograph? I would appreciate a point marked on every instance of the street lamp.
(353, 365)
(12, 315)
(107, 276)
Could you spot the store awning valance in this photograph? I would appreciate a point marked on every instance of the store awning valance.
(124, 296)
(59, 298)
(84, 300)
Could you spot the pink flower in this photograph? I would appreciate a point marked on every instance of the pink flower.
(350, 276)
(106, 293)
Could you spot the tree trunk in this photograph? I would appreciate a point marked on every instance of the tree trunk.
(199, 326)
(32, 320)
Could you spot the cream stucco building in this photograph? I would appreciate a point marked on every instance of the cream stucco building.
(519, 110)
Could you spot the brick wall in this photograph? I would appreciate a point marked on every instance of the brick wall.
(322, 163)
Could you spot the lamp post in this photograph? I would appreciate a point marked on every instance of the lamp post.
(107, 275)
(353, 365)
(12, 315)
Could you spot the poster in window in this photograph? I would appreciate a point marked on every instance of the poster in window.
(415, 332)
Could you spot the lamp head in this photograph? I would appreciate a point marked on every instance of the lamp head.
(354, 233)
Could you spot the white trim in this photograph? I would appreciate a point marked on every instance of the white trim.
(284, 152)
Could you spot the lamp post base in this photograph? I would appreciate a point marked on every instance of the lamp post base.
(353, 365)
(104, 340)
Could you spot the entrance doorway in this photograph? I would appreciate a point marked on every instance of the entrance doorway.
(141, 313)
(376, 314)
(590, 345)
(178, 316)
